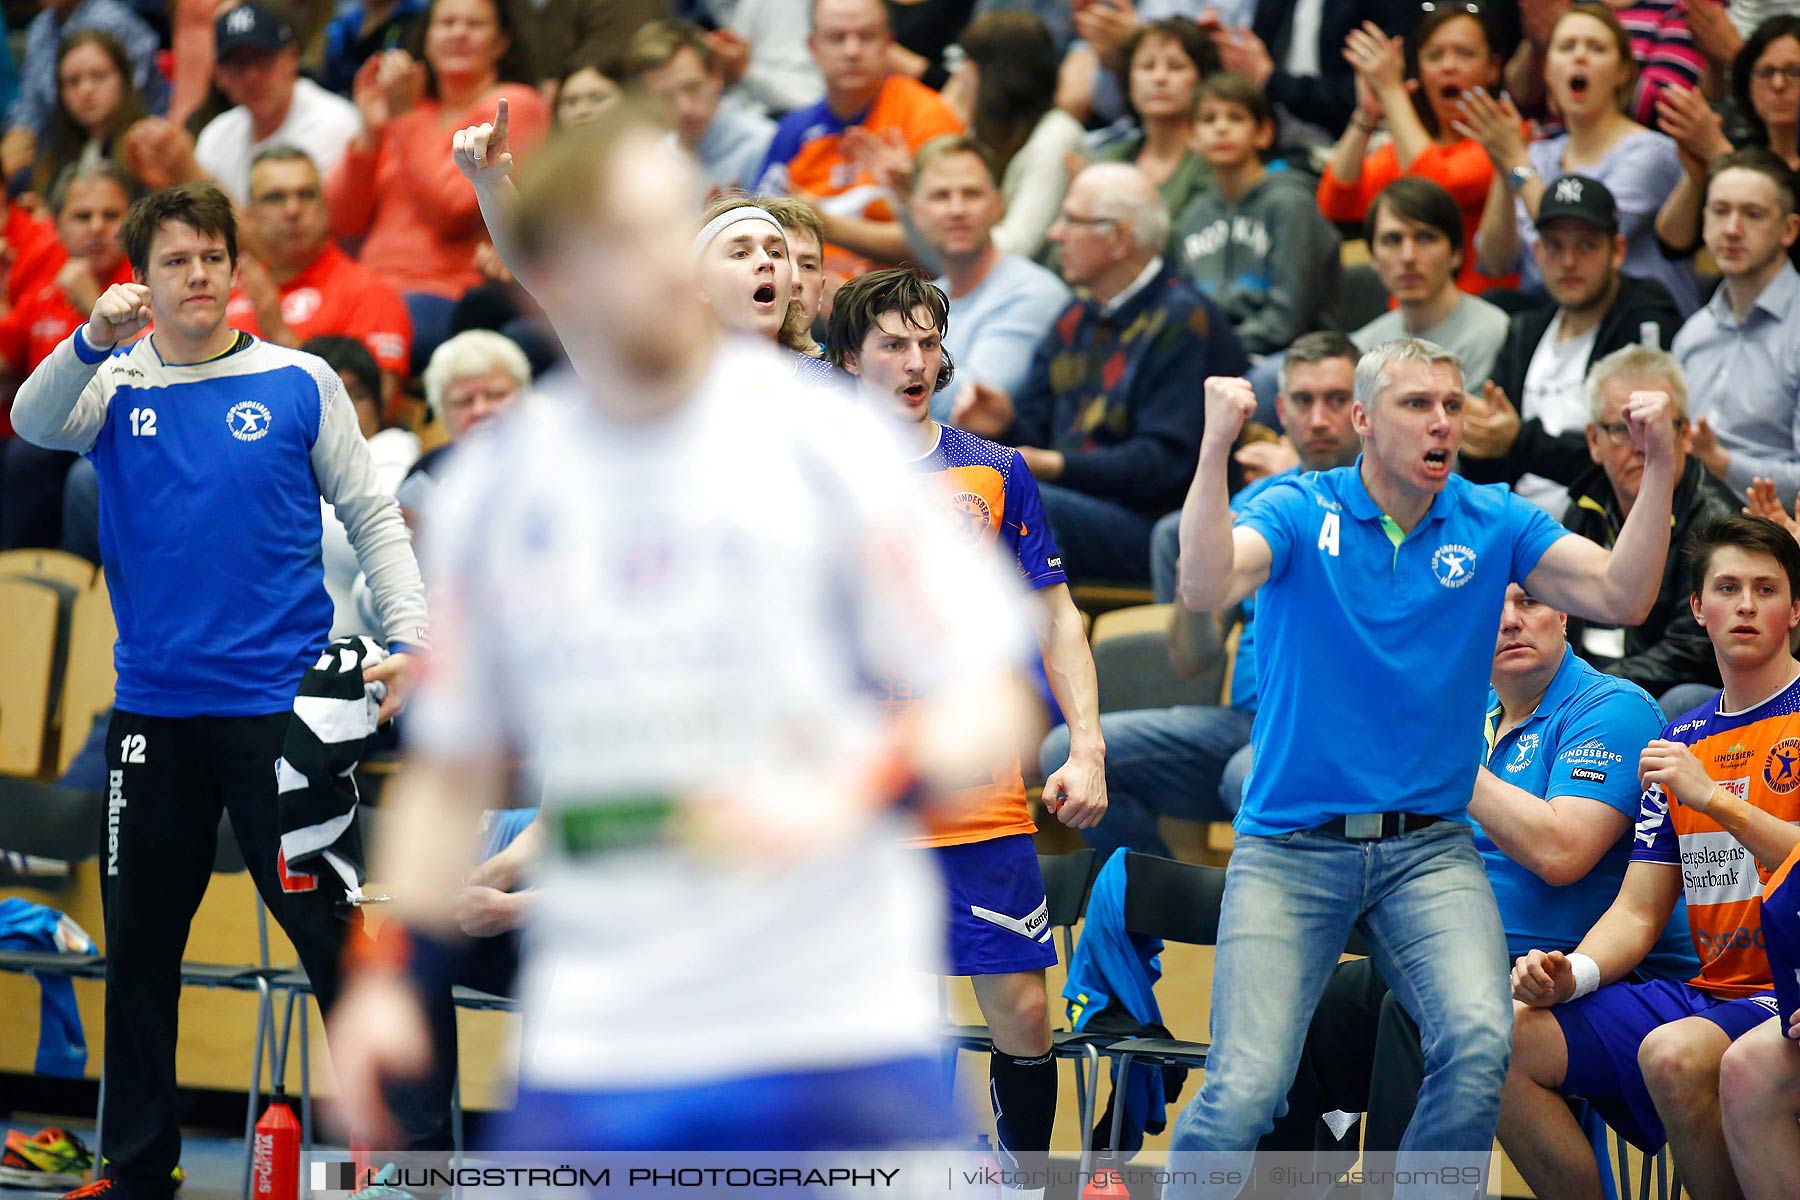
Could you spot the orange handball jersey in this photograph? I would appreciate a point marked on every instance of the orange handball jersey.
(1754, 755)
(994, 501)
(807, 156)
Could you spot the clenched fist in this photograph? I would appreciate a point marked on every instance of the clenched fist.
(1229, 403)
(121, 310)
(1650, 416)
(1541, 980)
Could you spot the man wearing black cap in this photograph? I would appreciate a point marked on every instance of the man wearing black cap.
(259, 72)
(1529, 428)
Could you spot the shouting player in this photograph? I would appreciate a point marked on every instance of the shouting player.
(887, 329)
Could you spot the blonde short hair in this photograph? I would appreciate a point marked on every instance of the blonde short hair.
(469, 355)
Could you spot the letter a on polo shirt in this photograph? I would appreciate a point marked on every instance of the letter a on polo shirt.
(1328, 534)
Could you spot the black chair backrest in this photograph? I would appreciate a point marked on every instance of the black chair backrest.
(1068, 878)
(48, 821)
(1175, 901)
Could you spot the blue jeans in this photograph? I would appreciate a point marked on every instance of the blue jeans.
(1162, 761)
(1423, 902)
(1265, 381)
(1165, 555)
(1684, 697)
(81, 511)
(1099, 539)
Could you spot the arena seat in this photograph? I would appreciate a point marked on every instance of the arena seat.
(30, 612)
(1131, 662)
(71, 569)
(1177, 902)
(80, 685)
(87, 676)
(1098, 598)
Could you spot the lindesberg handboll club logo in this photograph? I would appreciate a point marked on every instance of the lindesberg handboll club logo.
(1781, 770)
(974, 514)
(1453, 565)
(248, 420)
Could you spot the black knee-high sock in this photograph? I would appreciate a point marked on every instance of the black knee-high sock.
(1023, 1091)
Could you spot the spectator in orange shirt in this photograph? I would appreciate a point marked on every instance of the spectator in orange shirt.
(89, 203)
(819, 152)
(397, 186)
(303, 285)
(1415, 90)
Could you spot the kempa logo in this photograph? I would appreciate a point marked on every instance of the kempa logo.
(115, 805)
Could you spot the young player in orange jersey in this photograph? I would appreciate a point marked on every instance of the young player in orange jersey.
(887, 330)
(1721, 795)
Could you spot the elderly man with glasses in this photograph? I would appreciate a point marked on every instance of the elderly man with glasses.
(1109, 417)
(1668, 650)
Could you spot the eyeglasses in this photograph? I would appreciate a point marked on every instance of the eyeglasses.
(1768, 75)
(1072, 219)
(1619, 433)
(1466, 6)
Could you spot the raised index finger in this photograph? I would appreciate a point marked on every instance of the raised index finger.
(498, 137)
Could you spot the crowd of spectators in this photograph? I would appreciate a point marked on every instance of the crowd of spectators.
(1117, 200)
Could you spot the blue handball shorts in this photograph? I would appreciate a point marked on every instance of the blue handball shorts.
(999, 920)
(897, 1104)
(1604, 1030)
(1781, 934)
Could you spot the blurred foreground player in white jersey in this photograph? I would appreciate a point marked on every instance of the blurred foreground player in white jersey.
(671, 603)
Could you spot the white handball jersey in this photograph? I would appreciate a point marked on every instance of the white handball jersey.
(692, 607)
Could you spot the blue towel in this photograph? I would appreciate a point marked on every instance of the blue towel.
(1116, 970)
(61, 1049)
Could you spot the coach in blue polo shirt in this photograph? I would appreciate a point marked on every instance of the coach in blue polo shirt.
(1553, 806)
(1378, 583)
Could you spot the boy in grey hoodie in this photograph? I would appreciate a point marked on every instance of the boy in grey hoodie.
(1255, 241)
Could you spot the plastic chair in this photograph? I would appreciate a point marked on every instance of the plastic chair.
(1177, 902)
(1668, 1182)
(32, 613)
(1131, 662)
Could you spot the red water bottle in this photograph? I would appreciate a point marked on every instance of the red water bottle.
(1106, 1183)
(275, 1169)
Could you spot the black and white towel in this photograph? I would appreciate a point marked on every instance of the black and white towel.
(315, 778)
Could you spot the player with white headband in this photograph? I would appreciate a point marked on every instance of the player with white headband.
(747, 270)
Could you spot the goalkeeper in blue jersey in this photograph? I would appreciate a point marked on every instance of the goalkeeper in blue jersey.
(213, 449)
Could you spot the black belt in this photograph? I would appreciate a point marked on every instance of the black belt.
(1369, 827)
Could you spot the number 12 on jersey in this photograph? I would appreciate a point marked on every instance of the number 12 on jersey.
(143, 422)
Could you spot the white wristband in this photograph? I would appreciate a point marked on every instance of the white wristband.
(1587, 975)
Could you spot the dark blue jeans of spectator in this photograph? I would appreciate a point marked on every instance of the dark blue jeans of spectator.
(1684, 697)
(1099, 539)
(32, 480)
(81, 511)
(1265, 381)
(1187, 762)
(431, 325)
(1165, 551)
